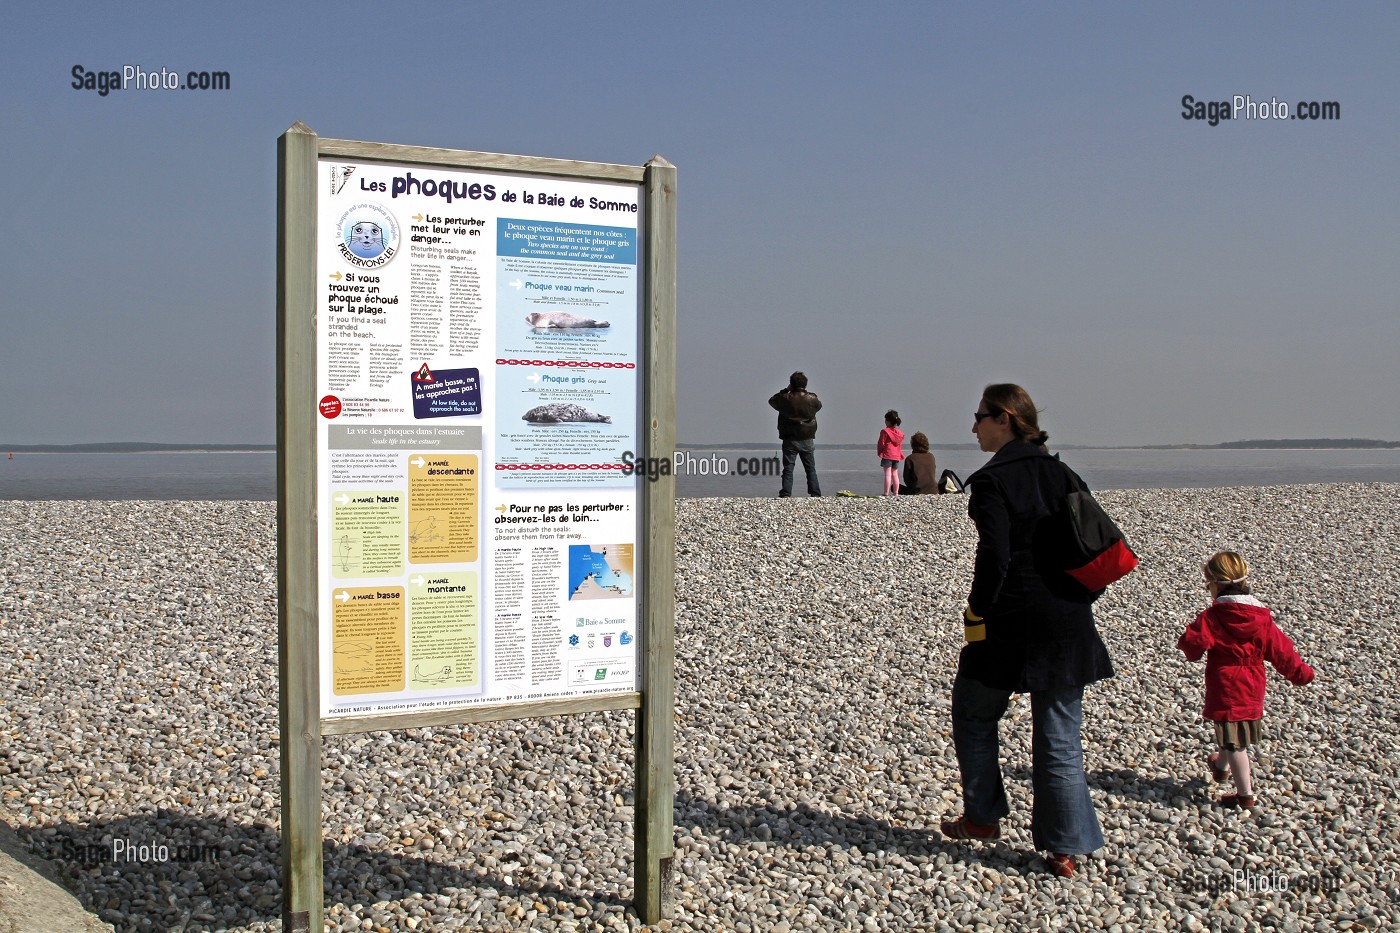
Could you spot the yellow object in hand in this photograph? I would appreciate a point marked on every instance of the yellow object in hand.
(974, 629)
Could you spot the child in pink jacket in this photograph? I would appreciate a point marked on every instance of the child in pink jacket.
(1237, 635)
(890, 448)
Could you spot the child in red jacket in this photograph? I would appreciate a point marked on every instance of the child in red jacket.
(889, 447)
(1237, 635)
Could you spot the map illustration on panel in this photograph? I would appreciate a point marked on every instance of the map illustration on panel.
(600, 571)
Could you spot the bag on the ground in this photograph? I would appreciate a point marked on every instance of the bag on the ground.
(1085, 543)
(949, 482)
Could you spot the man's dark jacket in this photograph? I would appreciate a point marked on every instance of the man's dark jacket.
(797, 414)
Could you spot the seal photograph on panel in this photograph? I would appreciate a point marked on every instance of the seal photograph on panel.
(560, 412)
(554, 320)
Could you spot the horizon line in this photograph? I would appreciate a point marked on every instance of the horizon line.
(1253, 443)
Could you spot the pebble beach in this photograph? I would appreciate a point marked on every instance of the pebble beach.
(816, 645)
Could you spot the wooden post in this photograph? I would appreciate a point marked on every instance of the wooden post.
(299, 655)
(655, 727)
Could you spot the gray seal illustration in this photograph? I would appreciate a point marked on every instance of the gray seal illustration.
(559, 412)
(544, 319)
(366, 239)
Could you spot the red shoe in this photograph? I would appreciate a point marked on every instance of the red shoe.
(1218, 774)
(1239, 802)
(963, 828)
(1061, 865)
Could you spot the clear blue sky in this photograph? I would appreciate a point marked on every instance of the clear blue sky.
(906, 200)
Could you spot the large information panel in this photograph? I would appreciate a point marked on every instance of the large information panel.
(477, 382)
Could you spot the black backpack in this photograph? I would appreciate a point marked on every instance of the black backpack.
(1079, 546)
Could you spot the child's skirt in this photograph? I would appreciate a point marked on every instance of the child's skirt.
(1235, 736)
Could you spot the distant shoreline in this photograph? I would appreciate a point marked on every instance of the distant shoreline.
(1282, 444)
(1289, 444)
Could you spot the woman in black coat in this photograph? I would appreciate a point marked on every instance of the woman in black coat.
(1025, 634)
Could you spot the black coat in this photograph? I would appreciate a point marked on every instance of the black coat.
(1036, 639)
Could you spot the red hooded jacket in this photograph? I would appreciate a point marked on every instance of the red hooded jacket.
(1237, 635)
(890, 445)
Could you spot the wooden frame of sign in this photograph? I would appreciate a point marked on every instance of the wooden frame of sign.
(299, 150)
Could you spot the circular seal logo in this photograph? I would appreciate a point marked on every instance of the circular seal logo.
(369, 235)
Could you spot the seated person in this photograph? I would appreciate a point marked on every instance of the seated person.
(920, 469)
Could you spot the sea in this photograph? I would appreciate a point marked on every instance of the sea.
(700, 473)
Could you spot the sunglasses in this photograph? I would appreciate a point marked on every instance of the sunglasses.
(977, 416)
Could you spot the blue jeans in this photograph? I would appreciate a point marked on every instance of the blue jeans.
(1062, 815)
(807, 450)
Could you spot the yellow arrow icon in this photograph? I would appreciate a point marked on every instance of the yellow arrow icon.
(336, 276)
(417, 216)
(500, 508)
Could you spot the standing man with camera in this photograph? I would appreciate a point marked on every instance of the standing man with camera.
(797, 429)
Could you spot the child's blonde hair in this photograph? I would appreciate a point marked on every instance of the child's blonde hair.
(1229, 570)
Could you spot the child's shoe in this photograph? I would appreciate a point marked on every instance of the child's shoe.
(1218, 774)
(1239, 801)
(963, 828)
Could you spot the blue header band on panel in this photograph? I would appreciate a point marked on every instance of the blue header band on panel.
(544, 239)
